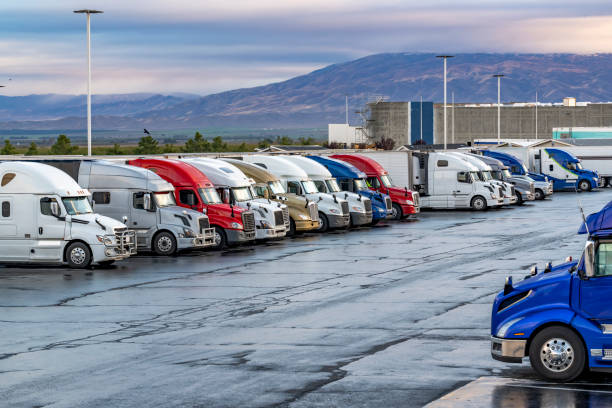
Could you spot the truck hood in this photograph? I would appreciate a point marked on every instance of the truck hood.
(175, 215)
(108, 224)
(224, 210)
(397, 192)
(557, 273)
(294, 201)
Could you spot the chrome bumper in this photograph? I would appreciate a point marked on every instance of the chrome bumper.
(506, 350)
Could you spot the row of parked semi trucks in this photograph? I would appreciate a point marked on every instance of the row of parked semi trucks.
(83, 211)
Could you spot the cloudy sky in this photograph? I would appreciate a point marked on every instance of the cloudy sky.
(209, 46)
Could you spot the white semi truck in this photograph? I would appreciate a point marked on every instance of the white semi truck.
(271, 218)
(142, 200)
(360, 207)
(333, 211)
(46, 217)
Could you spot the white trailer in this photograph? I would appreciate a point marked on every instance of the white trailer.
(46, 217)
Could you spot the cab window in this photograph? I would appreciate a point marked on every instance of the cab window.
(101, 197)
(346, 185)
(463, 177)
(260, 190)
(188, 197)
(320, 186)
(6, 209)
(138, 201)
(603, 259)
(45, 205)
(293, 187)
(373, 182)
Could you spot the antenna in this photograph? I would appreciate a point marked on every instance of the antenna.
(582, 213)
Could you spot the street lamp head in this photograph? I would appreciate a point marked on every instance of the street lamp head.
(445, 56)
(498, 75)
(86, 11)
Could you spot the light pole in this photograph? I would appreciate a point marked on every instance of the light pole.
(499, 77)
(88, 13)
(536, 116)
(445, 57)
(453, 117)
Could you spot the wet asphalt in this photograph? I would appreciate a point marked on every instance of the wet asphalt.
(392, 315)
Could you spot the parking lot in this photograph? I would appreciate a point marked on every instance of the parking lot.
(393, 315)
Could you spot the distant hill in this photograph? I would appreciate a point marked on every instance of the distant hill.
(317, 98)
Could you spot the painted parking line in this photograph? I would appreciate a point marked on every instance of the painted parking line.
(508, 392)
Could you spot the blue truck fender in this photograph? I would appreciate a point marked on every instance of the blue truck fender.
(531, 322)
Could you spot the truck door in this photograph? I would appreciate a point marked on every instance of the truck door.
(142, 220)
(596, 292)
(188, 198)
(50, 230)
(15, 230)
(462, 193)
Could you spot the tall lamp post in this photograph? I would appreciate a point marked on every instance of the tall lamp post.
(499, 77)
(445, 57)
(88, 13)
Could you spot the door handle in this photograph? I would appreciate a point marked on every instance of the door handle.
(40, 230)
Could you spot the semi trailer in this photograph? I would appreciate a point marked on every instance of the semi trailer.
(143, 201)
(46, 217)
(350, 178)
(360, 207)
(542, 186)
(405, 202)
(333, 211)
(271, 219)
(560, 317)
(192, 189)
(303, 214)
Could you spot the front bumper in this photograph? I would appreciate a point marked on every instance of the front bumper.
(190, 243)
(338, 221)
(601, 182)
(361, 218)
(379, 213)
(306, 225)
(101, 253)
(268, 233)
(409, 209)
(508, 351)
(495, 202)
(239, 236)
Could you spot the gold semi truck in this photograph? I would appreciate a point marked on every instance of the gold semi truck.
(303, 213)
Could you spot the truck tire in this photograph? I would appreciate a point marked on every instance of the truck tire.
(397, 212)
(323, 223)
(609, 182)
(519, 198)
(78, 255)
(558, 354)
(291, 231)
(220, 238)
(539, 194)
(478, 203)
(374, 222)
(584, 185)
(164, 244)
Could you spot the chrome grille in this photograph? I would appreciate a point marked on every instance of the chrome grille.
(278, 218)
(286, 216)
(501, 192)
(313, 210)
(204, 223)
(126, 241)
(368, 204)
(248, 221)
(513, 190)
(388, 203)
(416, 199)
(345, 207)
(532, 188)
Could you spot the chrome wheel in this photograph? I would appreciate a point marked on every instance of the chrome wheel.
(479, 204)
(584, 185)
(218, 239)
(78, 256)
(557, 355)
(164, 243)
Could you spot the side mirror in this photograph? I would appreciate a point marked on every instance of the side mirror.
(55, 210)
(124, 219)
(225, 196)
(146, 201)
(266, 193)
(589, 259)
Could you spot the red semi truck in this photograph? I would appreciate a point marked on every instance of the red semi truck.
(405, 201)
(192, 189)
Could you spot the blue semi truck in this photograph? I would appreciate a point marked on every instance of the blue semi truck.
(562, 168)
(352, 179)
(561, 318)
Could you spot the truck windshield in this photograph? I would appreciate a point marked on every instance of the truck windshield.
(333, 186)
(476, 176)
(276, 187)
(309, 187)
(507, 173)
(497, 175)
(209, 196)
(486, 175)
(77, 205)
(386, 180)
(242, 193)
(360, 184)
(165, 199)
(574, 166)
(321, 187)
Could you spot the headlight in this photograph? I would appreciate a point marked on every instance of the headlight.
(334, 211)
(409, 202)
(493, 195)
(503, 330)
(189, 233)
(106, 240)
(236, 225)
(265, 224)
(358, 209)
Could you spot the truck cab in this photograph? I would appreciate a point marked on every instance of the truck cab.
(524, 188)
(507, 190)
(303, 213)
(404, 201)
(360, 207)
(271, 219)
(561, 317)
(333, 211)
(192, 189)
(352, 179)
(565, 170)
(447, 180)
(46, 217)
(543, 186)
(144, 201)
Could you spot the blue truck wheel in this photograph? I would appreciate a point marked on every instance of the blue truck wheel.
(558, 354)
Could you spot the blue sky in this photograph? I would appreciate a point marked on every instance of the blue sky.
(210, 46)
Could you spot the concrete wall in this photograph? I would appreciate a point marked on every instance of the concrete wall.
(400, 121)
(517, 122)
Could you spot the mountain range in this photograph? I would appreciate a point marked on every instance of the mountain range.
(318, 98)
